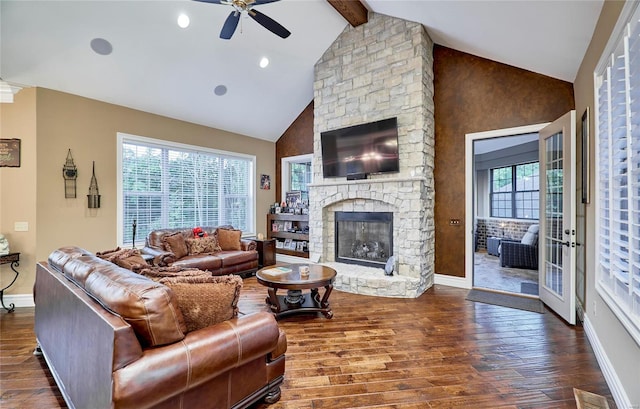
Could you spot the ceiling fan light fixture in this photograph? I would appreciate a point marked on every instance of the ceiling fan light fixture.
(264, 62)
(183, 21)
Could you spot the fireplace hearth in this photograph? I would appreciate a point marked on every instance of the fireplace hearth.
(364, 238)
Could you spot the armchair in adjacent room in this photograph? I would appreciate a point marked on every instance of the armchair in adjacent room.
(523, 253)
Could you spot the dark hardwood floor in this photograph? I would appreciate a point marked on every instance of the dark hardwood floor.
(437, 351)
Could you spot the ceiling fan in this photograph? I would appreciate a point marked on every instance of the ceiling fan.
(240, 6)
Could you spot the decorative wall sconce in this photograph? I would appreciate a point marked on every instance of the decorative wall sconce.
(94, 195)
(70, 174)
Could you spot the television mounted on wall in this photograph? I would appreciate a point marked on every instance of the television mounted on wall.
(360, 150)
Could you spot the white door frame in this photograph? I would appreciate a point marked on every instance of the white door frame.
(469, 190)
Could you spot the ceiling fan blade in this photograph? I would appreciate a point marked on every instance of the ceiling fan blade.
(269, 23)
(255, 3)
(212, 1)
(230, 25)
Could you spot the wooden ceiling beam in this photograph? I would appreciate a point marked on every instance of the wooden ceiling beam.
(352, 10)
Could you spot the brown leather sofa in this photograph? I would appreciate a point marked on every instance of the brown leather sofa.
(243, 260)
(116, 339)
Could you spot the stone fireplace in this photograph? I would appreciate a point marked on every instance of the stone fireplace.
(378, 70)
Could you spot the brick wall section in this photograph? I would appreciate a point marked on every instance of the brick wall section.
(509, 229)
(375, 71)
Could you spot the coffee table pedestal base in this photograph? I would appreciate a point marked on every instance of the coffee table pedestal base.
(296, 302)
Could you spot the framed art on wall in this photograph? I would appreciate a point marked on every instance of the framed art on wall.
(10, 153)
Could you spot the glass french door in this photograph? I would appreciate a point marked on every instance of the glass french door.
(557, 243)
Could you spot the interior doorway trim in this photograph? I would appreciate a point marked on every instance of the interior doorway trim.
(469, 195)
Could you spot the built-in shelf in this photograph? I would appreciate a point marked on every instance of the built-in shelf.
(289, 228)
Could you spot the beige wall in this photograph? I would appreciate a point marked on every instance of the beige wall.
(18, 189)
(89, 129)
(620, 348)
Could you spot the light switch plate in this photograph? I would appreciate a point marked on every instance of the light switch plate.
(21, 226)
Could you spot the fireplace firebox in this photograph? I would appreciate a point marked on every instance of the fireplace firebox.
(364, 238)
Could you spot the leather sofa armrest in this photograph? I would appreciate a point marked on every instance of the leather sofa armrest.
(161, 258)
(200, 356)
(248, 245)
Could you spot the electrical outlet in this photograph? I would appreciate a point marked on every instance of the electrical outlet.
(21, 226)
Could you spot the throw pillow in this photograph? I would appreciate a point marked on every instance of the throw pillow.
(229, 239)
(126, 258)
(204, 245)
(175, 243)
(530, 238)
(205, 300)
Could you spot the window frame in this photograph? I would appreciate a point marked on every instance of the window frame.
(513, 192)
(285, 171)
(605, 286)
(123, 138)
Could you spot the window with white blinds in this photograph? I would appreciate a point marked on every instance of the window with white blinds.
(167, 185)
(617, 83)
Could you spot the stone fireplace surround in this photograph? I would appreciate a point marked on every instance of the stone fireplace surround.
(378, 70)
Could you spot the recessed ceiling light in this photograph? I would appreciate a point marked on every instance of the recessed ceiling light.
(220, 90)
(101, 46)
(183, 20)
(264, 62)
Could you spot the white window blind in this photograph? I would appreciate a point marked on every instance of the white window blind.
(166, 185)
(617, 82)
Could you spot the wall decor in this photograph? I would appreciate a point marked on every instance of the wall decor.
(94, 194)
(70, 174)
(10, 153)
(265, 182)
(585, 156)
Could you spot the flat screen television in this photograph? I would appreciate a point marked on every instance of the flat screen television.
(360, 150)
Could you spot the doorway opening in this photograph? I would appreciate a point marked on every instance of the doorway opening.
(505, 210)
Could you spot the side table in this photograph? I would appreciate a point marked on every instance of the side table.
(14, 259)
(266, 252)
(493, 245)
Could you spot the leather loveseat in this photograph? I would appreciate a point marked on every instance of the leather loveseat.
(113, 338)
(234, 256)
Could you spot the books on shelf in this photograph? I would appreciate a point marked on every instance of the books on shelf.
(277, 270)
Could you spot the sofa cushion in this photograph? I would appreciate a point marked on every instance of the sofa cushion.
(149, 307)
(200, 261)
(232, 258)
(202, 245)
(176, 244)
(205, 300)
(158, 273)
(58, 258)
(229, 239)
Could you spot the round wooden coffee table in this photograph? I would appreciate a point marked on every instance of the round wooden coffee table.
(297, 302)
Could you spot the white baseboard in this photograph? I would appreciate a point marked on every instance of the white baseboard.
(609, 372)
(451, 281)
(20, 300)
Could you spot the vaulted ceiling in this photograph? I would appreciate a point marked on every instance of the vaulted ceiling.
(158, 67)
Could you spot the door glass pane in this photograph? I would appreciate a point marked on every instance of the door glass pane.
(554, 189)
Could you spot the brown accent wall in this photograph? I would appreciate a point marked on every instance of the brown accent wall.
(296, 140)
(473, 94)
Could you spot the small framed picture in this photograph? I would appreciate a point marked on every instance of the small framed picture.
(279, 244)
(292, 245)
(300, 246)
(287, 243)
